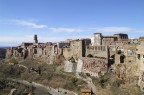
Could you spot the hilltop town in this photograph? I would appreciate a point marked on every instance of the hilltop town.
(96, 57)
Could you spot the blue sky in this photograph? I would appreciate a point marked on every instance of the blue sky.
(57, 20)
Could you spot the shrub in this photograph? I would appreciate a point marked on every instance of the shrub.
(74, 80)
(13, 60)
(89, 55)
(103, 82)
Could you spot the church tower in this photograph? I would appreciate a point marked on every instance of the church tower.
(35, 39)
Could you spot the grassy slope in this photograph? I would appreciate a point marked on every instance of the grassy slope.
(47, 74)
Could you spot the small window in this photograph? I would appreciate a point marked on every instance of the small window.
(122, 59)
(138, 56)
(35, 51)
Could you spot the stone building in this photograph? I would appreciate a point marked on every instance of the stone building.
(134, 41)
(99, 39)
(122, 42)
(42, 51)
(126, 55)
(108, 40)
(76, 49)
(140, 62)
(63, 44)
(140, 54)
(98, 51)
(86, 91)
(121, 36)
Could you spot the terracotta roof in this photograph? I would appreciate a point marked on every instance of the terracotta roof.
(86, 90)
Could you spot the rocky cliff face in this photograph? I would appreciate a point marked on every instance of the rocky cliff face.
(93, 66)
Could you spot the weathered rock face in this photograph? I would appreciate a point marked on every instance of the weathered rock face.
(94, 66)
(141, 81)
(70, 66)
(79, 65)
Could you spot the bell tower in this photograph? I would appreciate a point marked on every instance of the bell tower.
(35, 39)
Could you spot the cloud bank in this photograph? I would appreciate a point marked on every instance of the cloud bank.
(114, 29)
(29, 24)
(68, 30)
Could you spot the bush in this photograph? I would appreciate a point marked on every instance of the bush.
(87, 74)
(118, 82)
(13, 60)
(74, 80)
(103, 82)
(89, 55)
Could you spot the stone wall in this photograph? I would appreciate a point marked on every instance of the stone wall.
(70, 66)
(67, 53)
(94, 66)
(108, 40)
(98, 51)
(44, 54)
(79, 65)
(76, 48)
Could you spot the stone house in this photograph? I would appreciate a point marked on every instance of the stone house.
(86, 91)
(99, 39)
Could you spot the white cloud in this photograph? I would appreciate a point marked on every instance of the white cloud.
(69, 30)
(97, 29)
(29, 24)
(14, 39)
(112, 29)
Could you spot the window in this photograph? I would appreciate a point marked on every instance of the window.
(138, 56)
(122, 59)
(35, 51)
(129, 61)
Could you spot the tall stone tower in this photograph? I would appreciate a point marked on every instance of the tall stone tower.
(97, 39)
(35, 39)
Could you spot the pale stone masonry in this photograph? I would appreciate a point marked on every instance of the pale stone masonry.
(115, 49)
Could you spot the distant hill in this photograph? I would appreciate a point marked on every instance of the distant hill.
(3, 52)
(4, 47)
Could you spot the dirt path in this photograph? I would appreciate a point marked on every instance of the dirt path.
(88, 81)
(45, 89)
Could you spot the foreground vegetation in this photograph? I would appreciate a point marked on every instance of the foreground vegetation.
(53, 75)
(34, 71)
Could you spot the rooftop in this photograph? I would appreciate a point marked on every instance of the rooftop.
(86, 90)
